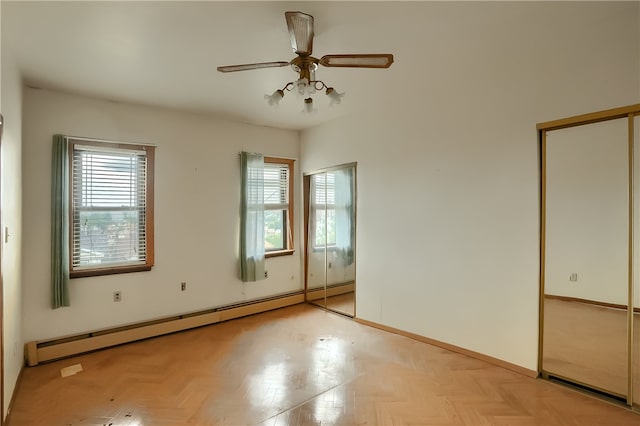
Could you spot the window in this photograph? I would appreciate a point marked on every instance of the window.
(111, 208)
(278, 206)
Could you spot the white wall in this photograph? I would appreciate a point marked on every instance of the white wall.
(197, 186)
(448, 223)
(11, 194)
(587, 212)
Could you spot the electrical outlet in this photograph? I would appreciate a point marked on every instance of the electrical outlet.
(573, 276)
(183, 285)
(117, 296)
(266, 274)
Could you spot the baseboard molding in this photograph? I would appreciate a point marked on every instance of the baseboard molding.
(52, 349)
(453, 348)
(590, 302)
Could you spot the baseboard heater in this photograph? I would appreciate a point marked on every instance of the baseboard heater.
(53, 349)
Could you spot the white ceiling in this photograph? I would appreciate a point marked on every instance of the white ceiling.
(166, 53)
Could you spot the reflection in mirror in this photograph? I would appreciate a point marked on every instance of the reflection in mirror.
(586, 256)
(341, 245)
(331, 240)
(316, 246)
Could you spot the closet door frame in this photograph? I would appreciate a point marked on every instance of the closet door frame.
(629, 112)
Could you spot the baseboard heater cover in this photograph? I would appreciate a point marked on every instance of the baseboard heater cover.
(53, 349)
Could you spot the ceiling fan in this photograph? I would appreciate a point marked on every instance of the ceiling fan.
(300, 27)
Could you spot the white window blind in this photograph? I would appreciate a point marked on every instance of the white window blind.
(109, 207)
(324, 210)
(276, 186)
(325, 186)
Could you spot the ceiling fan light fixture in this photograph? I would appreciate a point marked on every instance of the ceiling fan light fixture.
(334, 96)
(301, 33)
(308, 106)
(275, 98)
(302, 87)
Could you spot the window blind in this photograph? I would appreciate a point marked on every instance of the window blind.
(276, 186)
(325, 188)
(109, 207)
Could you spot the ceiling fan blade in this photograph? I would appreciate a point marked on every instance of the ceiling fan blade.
(245, 67)
(301, 32)
(377, 60)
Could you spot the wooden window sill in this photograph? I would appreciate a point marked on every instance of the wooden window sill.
(279, 253)
(109, 271)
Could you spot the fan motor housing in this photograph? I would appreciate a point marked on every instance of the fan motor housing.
(304, 65)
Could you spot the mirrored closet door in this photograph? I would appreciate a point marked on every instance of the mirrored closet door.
(589, 253)
(635, 350)
(330, 213)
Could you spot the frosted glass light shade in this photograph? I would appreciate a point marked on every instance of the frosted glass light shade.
(301, 87)
(334, 96)
(275, 98)
(308, 106)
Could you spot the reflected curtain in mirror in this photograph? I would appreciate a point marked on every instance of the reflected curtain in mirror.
(344, 216)
(317, 237)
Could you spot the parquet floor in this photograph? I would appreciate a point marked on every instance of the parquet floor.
(295, 366)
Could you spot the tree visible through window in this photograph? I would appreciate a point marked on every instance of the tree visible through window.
(278, 203)
(111, 208)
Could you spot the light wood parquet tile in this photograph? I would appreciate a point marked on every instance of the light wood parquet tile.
(295, 366)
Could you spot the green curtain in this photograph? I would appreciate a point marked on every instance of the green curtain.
(60, 222)
(252, 264)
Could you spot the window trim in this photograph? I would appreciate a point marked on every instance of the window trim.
(149, 210)
(289, 249)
